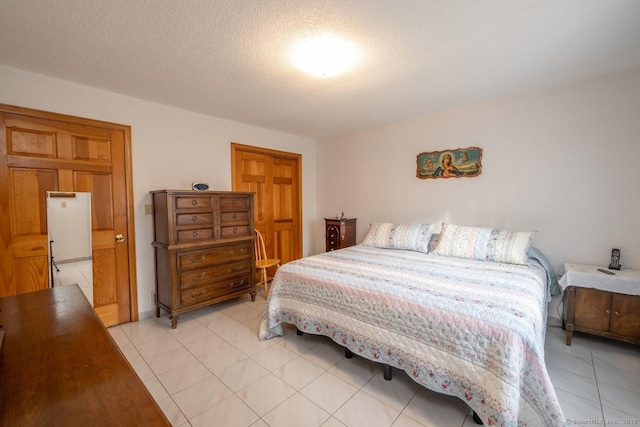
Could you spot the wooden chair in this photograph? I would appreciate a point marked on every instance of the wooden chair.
(262, 263)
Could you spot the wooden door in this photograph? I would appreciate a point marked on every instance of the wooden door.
(275, 178)
(42, 152)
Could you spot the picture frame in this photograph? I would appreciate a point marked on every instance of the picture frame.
(457, 163)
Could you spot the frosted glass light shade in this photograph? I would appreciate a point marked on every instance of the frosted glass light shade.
(325, 55)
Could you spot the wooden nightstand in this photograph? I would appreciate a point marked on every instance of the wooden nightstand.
(340, 233)
(601, 304)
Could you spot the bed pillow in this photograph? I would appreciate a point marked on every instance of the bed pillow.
(484, 244)
(413, 237)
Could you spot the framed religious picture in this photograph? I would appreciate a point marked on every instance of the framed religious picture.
(458, 163)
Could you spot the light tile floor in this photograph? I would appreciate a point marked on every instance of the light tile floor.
(80, 272)
(212, 371)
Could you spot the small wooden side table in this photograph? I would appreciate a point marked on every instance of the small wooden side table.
(601, 304)
(339, 233)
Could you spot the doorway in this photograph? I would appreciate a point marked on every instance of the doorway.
(276, 179)
(69, 236)
(41, 152)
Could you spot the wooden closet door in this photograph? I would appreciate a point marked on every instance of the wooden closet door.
(274, 177)
(42, 152)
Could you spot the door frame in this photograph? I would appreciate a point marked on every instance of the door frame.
(128, 172)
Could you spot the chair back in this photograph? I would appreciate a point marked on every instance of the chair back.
(261, 251)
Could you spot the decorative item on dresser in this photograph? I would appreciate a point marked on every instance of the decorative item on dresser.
(601, 302)
(204, 250)
(340, 233)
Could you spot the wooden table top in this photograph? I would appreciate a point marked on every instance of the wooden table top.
(59, 366)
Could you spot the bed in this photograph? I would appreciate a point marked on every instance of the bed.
(465, 327)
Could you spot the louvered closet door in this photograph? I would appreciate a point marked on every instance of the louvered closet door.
(274, 177)
(43, 152)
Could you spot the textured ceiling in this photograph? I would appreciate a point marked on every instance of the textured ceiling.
(227, 58)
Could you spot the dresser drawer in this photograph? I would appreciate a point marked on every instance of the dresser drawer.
(235, 231)
(228, 203)
(214, 273)
(234, 217)
(194, 219)
(204, 258)
(214, 290)
(194, 235)
(193, 202)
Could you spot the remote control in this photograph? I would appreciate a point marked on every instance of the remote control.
(602, 270)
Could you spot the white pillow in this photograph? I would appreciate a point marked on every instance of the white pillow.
(484, 244)
(413, 237)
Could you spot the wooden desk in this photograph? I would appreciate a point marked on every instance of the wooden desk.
(59, 366)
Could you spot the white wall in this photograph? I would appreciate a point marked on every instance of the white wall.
(69, 227)
(563, 162)
(171, 149)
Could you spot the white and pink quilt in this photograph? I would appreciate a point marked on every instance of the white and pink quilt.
(466, 328)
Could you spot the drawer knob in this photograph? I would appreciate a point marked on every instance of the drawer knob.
(238, 268)
(233, 202)
(235, 230)
(237, 285)
(195, 234)
(194, 202)
(607, 311)
(192, 259)
(202, 292)
(194, 218)
(235, 216)
(200, 277)
(617, 313)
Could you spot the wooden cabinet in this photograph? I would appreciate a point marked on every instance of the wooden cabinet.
(340, 233)
(61, 367)
(603, 313)
(204, 251)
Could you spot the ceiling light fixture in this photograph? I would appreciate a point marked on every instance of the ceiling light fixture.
(325, 55)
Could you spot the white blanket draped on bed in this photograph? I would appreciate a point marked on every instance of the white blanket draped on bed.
(466, 328)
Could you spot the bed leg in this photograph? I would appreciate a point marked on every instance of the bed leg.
(298, 331)
(347, 353)
(476, 419)
(387, 372)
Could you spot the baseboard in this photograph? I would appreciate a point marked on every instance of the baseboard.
(554, 322)
(146, 314)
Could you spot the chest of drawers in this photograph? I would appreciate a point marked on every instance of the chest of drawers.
(203, 244)
(339, 233)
